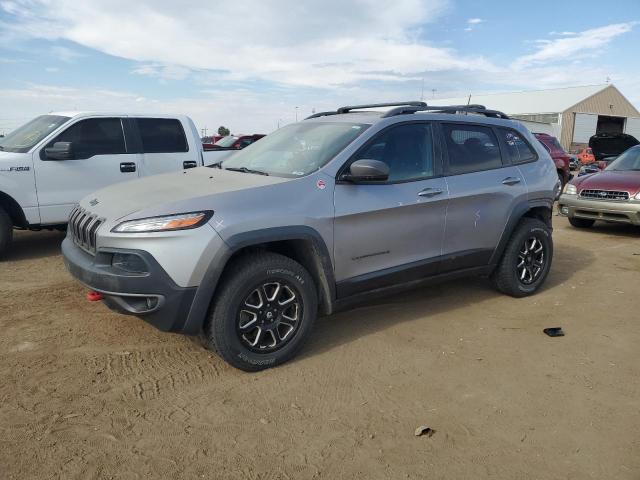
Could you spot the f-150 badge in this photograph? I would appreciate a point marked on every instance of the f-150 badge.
(15, 169)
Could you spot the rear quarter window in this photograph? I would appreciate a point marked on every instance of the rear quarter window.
(517, 148)
(162, 135)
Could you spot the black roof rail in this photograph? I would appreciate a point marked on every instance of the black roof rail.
(473, 108)
(349, 108)
(403, 108)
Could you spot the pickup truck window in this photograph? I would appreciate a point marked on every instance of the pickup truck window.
(25, 137)
(162, 135)
(94, 136)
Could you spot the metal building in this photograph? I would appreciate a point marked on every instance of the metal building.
(574, 114)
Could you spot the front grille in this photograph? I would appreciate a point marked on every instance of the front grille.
(604, 194)
(83, 227)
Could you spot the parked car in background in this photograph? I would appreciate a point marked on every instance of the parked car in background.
(612, 195)
(574, 163)
(558, 155)
(229, 145)
(320, 214)
(585, 155)
(606, 147)
(207, 142)
(50, 163)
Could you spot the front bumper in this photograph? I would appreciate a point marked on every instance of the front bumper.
(152, 295)
(607, 210)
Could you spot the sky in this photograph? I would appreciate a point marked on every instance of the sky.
(252, 65)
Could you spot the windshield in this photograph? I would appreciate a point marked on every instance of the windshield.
(24, 138)
(628, 161)
(226, 141)
(296, 150)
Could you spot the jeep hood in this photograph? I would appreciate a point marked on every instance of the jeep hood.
(611, 144)
(627, 181)
(154, 192)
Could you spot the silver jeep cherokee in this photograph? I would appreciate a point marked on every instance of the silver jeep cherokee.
(318, 215)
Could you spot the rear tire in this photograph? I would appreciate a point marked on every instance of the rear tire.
(6, 232)
(263, 313)
(526, 260)
(581, 222)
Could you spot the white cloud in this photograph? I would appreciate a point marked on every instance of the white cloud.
(472, 23)
(65, 54)
(574, 45)
(298, 43)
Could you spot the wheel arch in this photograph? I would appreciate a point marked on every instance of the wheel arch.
(300, 243)
(538, 209)
(13, 209)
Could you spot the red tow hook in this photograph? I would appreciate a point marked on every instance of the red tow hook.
(94, 296)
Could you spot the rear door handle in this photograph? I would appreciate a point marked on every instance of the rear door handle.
(189, 164)
(511, 181)
(430, 192)
(127, 167)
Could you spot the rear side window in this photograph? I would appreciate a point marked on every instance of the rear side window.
(95, 136)
(518, 150)
(162, 135)
(406, 149)
(471, 148)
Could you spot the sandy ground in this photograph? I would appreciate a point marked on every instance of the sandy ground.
(86, 393)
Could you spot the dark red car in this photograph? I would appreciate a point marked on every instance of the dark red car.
(612, 195)
(559, 156)
(233, 142)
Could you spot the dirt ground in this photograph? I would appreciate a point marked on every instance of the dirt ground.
(86, 393)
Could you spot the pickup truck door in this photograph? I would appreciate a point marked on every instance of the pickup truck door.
(164, 146)
(100, 158)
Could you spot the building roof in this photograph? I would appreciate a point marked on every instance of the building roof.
(555, 100)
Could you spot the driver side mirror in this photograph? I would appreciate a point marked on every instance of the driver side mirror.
(366, 170)
(60, 151)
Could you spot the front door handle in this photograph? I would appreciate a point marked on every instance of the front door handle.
(430, 192)
(127, 167)
(511, 181)
(189, 164)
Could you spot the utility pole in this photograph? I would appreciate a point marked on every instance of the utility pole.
(422, 90)
(296, 114)
(433, 93)
(203, 131)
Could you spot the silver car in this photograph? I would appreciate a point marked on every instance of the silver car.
(319, 215)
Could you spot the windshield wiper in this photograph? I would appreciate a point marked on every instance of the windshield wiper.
(246, 170)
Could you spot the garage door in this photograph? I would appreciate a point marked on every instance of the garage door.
(632, 127)
(584, 127)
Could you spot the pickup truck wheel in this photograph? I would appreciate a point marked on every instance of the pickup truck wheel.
(526, 261)
(6, 232)
(581, 222)
(263, 313)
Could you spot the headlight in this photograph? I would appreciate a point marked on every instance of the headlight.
(182, 221)
(570, 189)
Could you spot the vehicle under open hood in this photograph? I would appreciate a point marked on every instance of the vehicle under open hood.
(606, 145)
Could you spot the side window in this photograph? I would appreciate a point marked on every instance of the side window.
(471, 148)
(518, 150)
(95, 136)
(406, 149)
(162, 135)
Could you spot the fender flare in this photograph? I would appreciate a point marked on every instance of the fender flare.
(209, 284)
(517, 214)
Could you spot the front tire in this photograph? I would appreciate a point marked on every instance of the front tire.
(6, 232)
(263, 313)
(526, 261)
(581, 222)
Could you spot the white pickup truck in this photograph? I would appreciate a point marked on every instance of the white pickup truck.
(50, 163)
